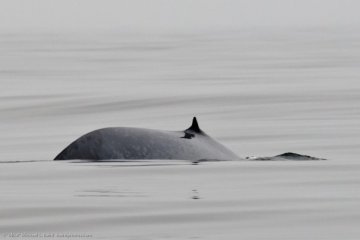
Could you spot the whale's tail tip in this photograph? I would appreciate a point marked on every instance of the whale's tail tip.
(195, 126)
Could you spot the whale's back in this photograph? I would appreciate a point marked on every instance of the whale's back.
(138, 143)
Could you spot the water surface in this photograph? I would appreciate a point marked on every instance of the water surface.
(260, 93)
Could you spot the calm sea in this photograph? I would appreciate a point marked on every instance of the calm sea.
(259, 92)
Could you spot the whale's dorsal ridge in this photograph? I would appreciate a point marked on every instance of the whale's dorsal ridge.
(194, 126)
(139, 143)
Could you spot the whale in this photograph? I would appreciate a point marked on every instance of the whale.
(124, 143)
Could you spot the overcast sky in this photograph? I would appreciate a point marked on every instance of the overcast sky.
(175, 14)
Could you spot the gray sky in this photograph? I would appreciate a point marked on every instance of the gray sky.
(174, 14)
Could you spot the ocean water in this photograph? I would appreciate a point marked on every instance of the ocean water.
(259, 92)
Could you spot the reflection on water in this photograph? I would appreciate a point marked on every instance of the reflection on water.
(129, 163)
(195, 194)
(108, 193)
(232, 199)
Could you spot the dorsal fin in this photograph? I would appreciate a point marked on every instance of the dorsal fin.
(194, 126)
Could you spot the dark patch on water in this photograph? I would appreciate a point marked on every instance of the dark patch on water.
(108, 193)
(25, 161)
(286, 156)
(195, 195)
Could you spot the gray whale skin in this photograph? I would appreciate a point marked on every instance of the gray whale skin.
(139, 143)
